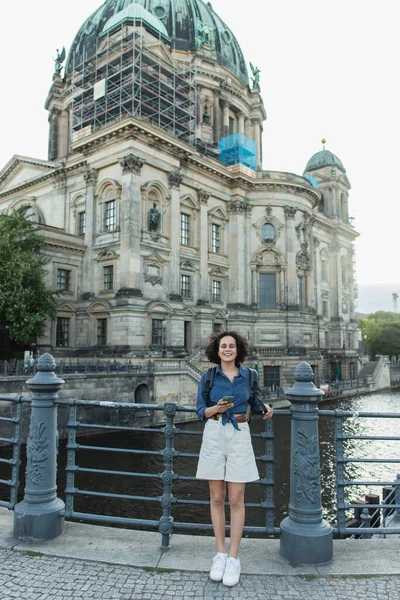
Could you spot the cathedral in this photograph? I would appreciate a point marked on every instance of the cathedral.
(161, 223)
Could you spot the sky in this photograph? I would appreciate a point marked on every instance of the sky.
(328, 70)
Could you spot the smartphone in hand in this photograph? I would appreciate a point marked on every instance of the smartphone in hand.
(227, 399)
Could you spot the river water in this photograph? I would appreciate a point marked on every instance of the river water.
(189, 442)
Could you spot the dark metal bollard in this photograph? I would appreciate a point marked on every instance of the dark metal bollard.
(306, 537)
(37, 517)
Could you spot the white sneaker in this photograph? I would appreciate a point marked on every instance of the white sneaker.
(218, 566)
(232, 572)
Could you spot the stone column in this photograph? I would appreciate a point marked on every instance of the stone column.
(37, 517)
(241, 123)
(204, 292)
(174, 183)
(63, 133)
(53, 134)
(225, 118)
(306, 537)
(90, 176)
(291, 251)
(257, 139)
(216, 118)
(130, 218)
(239, 278)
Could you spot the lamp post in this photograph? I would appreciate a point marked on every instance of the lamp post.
(226, 320)
(365, 344)
(164, 329)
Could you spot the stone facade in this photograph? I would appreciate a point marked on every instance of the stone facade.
(269, 254)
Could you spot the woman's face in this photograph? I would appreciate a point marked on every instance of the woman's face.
(227, 350)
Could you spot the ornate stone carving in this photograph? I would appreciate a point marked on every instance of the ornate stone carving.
(91, 175)
(203, 196)
(46, 363)
(175, 179)
(37, 450)
(152, 278)
(290, 211)
(239, 207)
(306, 465)
(268, 209)
(303, 372)
(60, 181)
(266, 258)
(131, 164)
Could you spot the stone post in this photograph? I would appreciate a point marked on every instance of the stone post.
(37, 517)
(306, 537)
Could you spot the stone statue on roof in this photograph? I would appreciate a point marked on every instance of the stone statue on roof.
(256, 77)
(204, 37)
(58, 61)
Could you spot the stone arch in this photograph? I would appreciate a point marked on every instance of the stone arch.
(142, 394)
(34, 212)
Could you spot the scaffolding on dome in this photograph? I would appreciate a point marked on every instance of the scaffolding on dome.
(128, 78)
(237, 148)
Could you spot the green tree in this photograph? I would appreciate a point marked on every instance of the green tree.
(382, 331)
(25, 302)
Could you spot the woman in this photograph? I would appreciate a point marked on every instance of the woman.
(226, 453)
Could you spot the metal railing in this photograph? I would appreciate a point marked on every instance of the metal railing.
(17, 367)
(11, 436)
(86, 417)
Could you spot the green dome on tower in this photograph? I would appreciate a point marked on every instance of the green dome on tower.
(324, 158)
(189, 25)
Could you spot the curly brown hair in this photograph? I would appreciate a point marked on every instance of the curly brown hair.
(212, 347)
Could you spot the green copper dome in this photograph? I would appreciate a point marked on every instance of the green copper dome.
(136, 13)
(324, 158)
(190, 25)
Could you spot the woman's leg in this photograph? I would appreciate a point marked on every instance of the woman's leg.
(236, 502)
(217, 507)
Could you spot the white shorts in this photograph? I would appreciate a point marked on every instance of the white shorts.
(226, 453)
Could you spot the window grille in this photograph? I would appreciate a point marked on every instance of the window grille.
(110, 216)
(62, 332)
(63, 279)
(184, 230)
(216, 291)
(101, 332)
(185, 286)
(267, 291)
(81, 223)
(215, 238)
(108, 277)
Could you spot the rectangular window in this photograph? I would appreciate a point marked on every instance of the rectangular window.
(216, 291)
(215, 238)
(185, 286)
(62, 332)
(63, 279)
(101, 332)
(267, 291)
(272, 377)
(110, 216)
(157, 332)
(108, 277)
(81, 223)
(325, 309)
(184, 229)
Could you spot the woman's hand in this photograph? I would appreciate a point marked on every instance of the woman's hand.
(269, 414)
(223, 406)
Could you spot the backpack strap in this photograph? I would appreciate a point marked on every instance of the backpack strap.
(255, 388)
(208, 383)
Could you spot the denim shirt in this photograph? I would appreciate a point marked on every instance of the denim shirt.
(239, 388)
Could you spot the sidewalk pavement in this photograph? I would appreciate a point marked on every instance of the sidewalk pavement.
(96, 562)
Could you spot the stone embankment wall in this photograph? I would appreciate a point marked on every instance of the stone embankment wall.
(176, 387)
